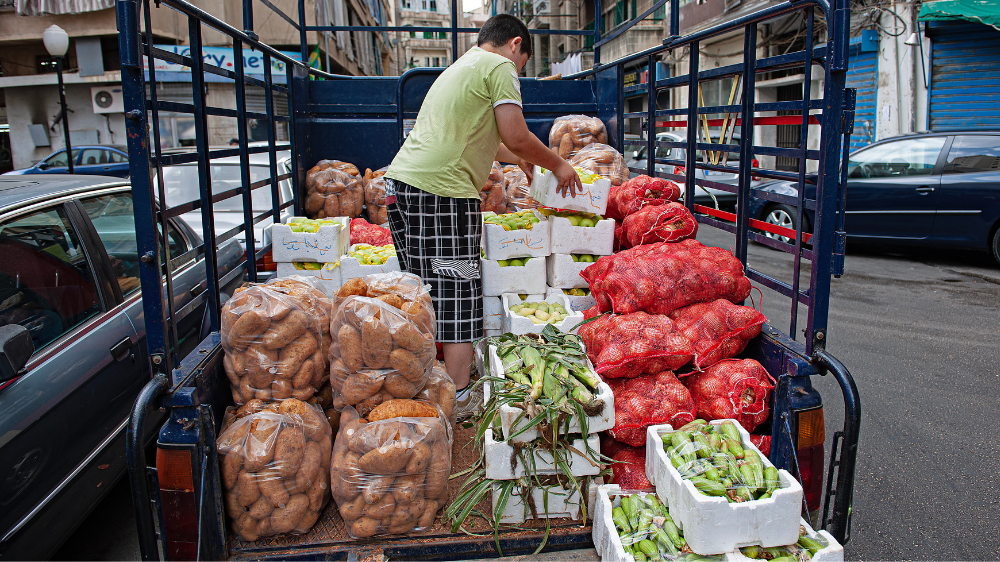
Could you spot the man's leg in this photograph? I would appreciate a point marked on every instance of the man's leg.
(458, 359)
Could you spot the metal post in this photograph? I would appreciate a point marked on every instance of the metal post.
(454, 32)
(746, 142)
(651, 120)
(691, 157)
(65, 123)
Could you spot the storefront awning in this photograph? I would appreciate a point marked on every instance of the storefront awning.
(977, 11)
(43, 7)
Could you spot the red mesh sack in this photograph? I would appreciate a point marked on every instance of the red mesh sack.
(738, 389)
(762, 442)
(629, 468)
(364, 232)
(639, 192)
(660, 278)
(621, 240)
(649, 400)
(629, 345)
(672, 222)
(718, 330)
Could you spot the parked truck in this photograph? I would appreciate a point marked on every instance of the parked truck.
(178, 496)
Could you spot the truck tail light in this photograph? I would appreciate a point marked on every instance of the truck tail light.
(180, 506)
(755, 164)
(809, 447)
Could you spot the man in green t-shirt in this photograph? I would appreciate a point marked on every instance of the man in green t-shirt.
(470, 117)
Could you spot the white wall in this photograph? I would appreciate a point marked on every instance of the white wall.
(900, 105)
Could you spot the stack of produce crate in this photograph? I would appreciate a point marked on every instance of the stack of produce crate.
(515, 246)
(311, 247)
(578, 240)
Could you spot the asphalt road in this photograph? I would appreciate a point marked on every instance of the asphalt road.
(919, 332)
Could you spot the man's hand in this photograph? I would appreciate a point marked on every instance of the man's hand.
(527, 167)
(569, 181)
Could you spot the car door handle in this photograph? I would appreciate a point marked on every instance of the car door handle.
(924, 189)
(120, 349)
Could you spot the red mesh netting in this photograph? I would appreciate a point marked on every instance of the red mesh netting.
(762, 442)
(621, 240)
(718, 329)
(364, 232)
(639, 192)
(629, 468)
(672, 222)
(629, 345)
(649, 400)
(660, 278)
(738, 389)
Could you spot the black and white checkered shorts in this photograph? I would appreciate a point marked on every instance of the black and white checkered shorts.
(439, 238)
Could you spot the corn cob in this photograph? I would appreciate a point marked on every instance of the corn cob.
(809, 544)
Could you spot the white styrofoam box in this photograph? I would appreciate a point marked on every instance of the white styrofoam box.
(329, 275)
(528, 278)
(490, 332)
(603, 421)
(712, 525)
(576, 303)
(500, 244)
(562, 272)
(498, 456)
(593, 198)
(351, 267)
(832, 552)
(568, 239)
(561, 503)
(492, 313)
(520, 325)
(324, 246)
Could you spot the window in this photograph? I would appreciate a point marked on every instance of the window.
(413, 34)
(437, 61)
(46, 283)
(58, 160)
(406, 4)
(428, 35)
(434, 6)
(442, 35)
(118, 157)
(94, 156)
(910, 157)
(973, 154)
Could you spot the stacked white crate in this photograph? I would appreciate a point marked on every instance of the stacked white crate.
(499, 244)
(325, 246)
(561, 271)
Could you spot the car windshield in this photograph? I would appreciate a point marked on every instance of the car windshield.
(58, 160)
(181, 186)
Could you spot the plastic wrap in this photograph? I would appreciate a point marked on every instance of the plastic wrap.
(440, 389)
(660, 278)
(364, 232)
(603, 160)
(334, 189)
(639, 192)
(671, 222)
(718, 330)
(273, 343)
(391, 476)
(518, 190)
(375, 196)
(629, 345)
(738, 389)
(647, 400)
(311, 295)
(494, 193)
(570, 133)
(275, 464)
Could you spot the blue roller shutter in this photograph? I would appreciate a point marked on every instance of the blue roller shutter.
(862, 74)
(965, 76)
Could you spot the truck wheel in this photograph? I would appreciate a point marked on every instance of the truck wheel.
(996, 245)
(780, 215)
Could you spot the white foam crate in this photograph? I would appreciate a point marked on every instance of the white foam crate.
(832, 552)
(351, 267)
(712, 525)
(576, 303)
(498, 456)
(326, 245)
(562, 272)
(329, 276)
(509, 415)
(593, 198)
(561, 502)
(500, 244)
(568, 239)
(490, 332)
(520, 325)
(528, 278)
(607, 542)
(492, 313)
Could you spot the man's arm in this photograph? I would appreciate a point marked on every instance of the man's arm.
(520, 142)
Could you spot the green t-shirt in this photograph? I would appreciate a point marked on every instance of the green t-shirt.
(451, 148)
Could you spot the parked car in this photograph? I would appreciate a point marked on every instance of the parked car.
(931, 189)
(74, 342)
(96, 160)
(635, 157)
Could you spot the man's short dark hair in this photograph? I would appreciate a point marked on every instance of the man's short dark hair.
(502, 28)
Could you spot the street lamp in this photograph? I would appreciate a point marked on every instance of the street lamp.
(57, 43)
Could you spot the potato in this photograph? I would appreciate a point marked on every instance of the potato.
(281, 389)
(387, 459)
(304, 393)
(420, 459)
(319, 492)
(306, 373)
(363, 527)
(381, 509)
(407, 488)
(368, 404)
(264, 527)
(246, 491)
(284, 519)
(421, 315)
(233, 508)
(402, 408)
(320, 373)
(310, 467)
(372, 436)
(355, 286)
(246, 527)
(359, 386)
(307, 521)
(430, 512)
(351, 348)
(438, 471)
(272, 485)
(251, 407)
(295, 353)
(247, 392)
(230, 467)
(227, 364)
(259, 448)
(392, 300)
(408, 365)
(248, 328)
(324, 396)
(353, 509)
(260, 363)
(333, 418)
(409, 337)
(376, 487)
(398, 386)
(261, 508)
(289, 451)
(376, 343)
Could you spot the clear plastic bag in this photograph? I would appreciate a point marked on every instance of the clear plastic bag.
(494, 193)
(570, 133)
(334, 189)
(518, 190)
(603, 160)
(273, 342)
(375, 196)
(275, 464)
(440, 389)
(391, 476)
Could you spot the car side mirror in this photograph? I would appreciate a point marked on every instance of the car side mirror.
(15, 350)
(43, 165)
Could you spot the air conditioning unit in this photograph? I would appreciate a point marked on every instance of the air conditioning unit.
(107, 99)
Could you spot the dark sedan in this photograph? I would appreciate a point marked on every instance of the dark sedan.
(931, 189)
(96, 160)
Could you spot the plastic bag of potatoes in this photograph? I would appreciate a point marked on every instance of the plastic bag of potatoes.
(275, 463)
(334, 189)
(440, 389)
(311, 295)
(390, 472)
(375, 196)
(602, 160)
(571, 133)
(273, 343)
(494, 193)
(518, 190)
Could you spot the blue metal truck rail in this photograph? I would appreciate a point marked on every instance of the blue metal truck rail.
(179, 510)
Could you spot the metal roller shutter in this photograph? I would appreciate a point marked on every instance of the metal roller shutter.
(965, 77)
(862, 71)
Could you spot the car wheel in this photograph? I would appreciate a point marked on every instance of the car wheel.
(996, 245)
(780, 215)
